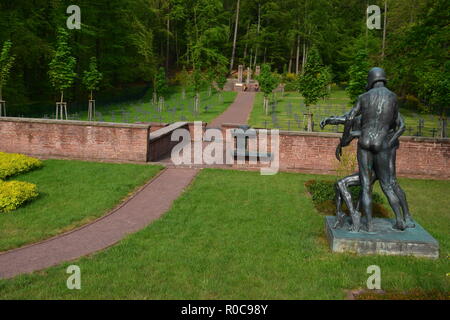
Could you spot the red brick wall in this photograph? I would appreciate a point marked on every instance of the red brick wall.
(416, 157)
(315, 152)
(74, 139)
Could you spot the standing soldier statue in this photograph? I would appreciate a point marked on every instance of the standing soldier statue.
(376, 122)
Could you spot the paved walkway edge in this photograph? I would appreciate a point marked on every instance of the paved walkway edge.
(147, 204)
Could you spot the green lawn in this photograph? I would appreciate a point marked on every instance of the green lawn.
(176, 108)
(71, 193)
(240, 235)
(290, 108)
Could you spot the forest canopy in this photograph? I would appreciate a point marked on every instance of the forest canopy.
(132, 39)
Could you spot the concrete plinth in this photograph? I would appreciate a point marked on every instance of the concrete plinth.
(383, 240)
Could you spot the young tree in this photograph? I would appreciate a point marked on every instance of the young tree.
(235, 35)
(160, 87)
(182, 78)
(196, 81)
(61, 73)
(358, 75)
(314, 82)
(91, 80)
(221, 80)
(267, 83)
(6, 63)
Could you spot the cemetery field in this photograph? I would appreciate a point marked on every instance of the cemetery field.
(288, 114)
(71, 194)
(175, 109)
(258, 238)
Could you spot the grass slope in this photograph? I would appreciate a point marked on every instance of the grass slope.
(336, 104)
(239, 235)
(176, 108)
(71, 193)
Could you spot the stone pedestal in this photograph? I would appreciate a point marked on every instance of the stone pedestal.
(257, 71)
(383, 240)
(240, 73)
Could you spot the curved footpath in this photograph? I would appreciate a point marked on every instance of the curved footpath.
(148, 204)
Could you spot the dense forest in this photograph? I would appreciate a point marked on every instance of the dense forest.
(132, 39)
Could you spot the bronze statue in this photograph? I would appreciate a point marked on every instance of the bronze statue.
(377, 123)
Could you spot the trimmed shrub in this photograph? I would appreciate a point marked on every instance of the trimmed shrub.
(13, 163)
(323, 196)
(15, 193)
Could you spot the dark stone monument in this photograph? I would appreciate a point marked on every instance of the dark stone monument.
(376, 122)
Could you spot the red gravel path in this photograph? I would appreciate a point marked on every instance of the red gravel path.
(237, 112)
(145, 206)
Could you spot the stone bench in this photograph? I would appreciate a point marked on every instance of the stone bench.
(242, 151)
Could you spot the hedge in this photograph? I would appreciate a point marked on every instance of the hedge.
(323, 195)
(13, 163)
(15, 193)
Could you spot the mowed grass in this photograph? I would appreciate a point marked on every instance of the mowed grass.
(240, 235)
(290, 109)
(71, 193)
(176, 108)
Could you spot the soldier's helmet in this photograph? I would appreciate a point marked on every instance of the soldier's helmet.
(375, 74)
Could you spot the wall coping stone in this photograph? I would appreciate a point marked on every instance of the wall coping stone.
(338, 135)
(166, 130)
(75, 122)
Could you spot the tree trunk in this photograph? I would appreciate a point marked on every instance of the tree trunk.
(62, 96)
(290, 60)
(168, 44)
(235, 35)
(257, 34)
(384, 30)
(297, 60)
(1, 96)
(246, 43)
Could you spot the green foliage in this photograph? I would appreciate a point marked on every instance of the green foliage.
(358, 75)
(61, 72)
(220, 76)
(196, 81)
(13, 194)
(417, 56)
(268, 81)
(6, 63)
(161, 86)
(322, 190)
(435, 88)
(131, 40)
(92, 77)
(14, 163)
(314, 82)
(182, 78)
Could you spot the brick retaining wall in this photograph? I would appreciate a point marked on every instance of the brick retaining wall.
(75, 139)
(315, 152)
